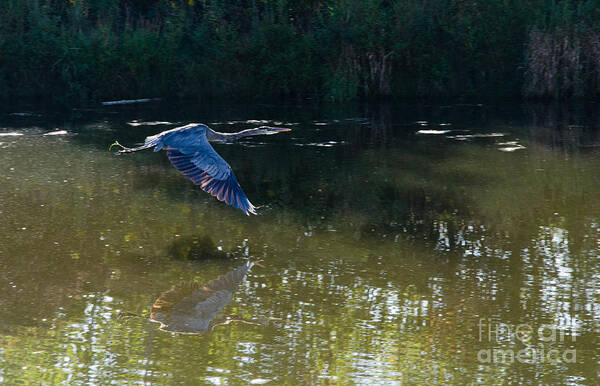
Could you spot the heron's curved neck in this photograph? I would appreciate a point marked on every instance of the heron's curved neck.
(212, 135)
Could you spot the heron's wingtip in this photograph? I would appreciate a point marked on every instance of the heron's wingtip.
(251, 209)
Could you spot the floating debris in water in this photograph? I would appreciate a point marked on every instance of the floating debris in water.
(224, 123)
(57, 132)
(129, 101)
(511, 149)
(433, 131)
(255, 122)
(510, 146)
(151, 123)
(10, 134)
(462, 137)
(247, 144)
(25, 114)
(321, 144)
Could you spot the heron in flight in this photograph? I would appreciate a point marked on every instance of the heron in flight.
(189, 150)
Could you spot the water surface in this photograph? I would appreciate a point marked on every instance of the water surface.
(398, 244)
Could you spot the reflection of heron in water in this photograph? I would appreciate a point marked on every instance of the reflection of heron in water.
(191, 308)
(189, 150)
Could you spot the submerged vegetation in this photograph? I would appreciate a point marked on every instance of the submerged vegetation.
(72, 51)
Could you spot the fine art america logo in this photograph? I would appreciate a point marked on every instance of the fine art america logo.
(538, 343)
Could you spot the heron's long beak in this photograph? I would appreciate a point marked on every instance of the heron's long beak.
(280, 129)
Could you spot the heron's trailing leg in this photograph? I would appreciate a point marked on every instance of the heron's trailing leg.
(127, 149)
(116, 143)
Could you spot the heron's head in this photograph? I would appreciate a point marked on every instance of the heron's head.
(268, 130)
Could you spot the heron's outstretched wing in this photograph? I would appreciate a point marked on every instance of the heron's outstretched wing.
(190, 152)
(207, 169)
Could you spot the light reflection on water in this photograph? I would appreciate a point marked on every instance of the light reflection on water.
(382, 252)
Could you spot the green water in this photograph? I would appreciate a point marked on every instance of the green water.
(399, 244)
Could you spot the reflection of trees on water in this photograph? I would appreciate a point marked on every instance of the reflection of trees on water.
(564, 126)
(383, 254)
(381, 124)
(561, 115)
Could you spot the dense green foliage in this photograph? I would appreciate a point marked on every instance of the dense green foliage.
(80, 50)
